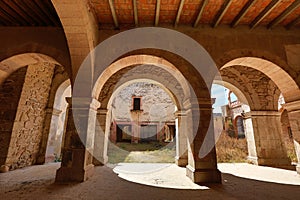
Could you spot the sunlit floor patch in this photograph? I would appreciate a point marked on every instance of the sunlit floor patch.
(156, 174)
(260, 173)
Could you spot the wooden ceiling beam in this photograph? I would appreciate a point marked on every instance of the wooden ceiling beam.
(242, 13)
(6, 19)
(284, 14)
(22, 12)
(45, 11)
(38, 11)
(293, 23)
(221, 12)
(157, 10)
(264, 13)
(14, 15)
(113, 13)
(135, 13)
(202, 6)
(32, 15)
(179, 13)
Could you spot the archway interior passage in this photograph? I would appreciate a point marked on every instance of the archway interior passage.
(30, 83)
(265, 87)
(58, 123)
(146, 126)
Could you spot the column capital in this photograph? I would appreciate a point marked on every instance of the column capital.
(292, 106)
(261, 113)
(53, 111)
(198, 103)
(180, 113)
(102, 111)
(83, 102)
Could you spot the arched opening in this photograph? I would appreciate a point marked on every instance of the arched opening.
(262, 82)
(235, 141)
(158, 92)
(31, 77)
(58, 123)
(148, 130)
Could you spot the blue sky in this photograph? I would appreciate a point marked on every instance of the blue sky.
(220, 93)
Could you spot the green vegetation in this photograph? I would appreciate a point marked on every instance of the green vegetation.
(153, 152)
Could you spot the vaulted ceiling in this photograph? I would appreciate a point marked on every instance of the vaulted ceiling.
(131, 13)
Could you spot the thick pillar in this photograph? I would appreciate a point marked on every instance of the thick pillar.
(101, 139)
(270, 149)
(49, 133)
(293, 109)
(248, 126)
(27, 132)
(181, 158)
(78, 147)
(202, 161)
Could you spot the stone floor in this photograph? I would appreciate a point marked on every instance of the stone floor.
(240, 181)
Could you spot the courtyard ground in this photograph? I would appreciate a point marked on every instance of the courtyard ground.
(239, 181)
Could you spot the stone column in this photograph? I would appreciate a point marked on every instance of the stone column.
(293, 109)
(26, 135)
(79, 140)
(252, 156)
(181, 158)
(270, 149)
(202, 161)
(101, 139)
(51, 119)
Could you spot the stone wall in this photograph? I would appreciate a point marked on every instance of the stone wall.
(260, 91)
(28, 126)
(10, 92)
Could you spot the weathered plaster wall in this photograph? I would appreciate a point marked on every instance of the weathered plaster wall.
(28, 126)
(155, 103)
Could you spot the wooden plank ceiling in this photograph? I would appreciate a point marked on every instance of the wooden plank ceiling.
(268, 13)
(28, 13)
(133, 13)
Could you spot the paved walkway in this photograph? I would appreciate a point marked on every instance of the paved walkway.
(172, 176)
(238, 182)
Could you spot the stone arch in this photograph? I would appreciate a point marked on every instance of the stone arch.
(260, 90)
(279, 76)
(277, 59)
(177, 85)
(31, 109)
(261, 115)
(243, 97)
(126, 71)
(107, 52)
(11, 64)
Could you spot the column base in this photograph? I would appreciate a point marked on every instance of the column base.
(203, 175)
(252, 160)
(100, 162)
(181, 162)
(275, 162)
(68, 174)
(40, 160)
(298, 168)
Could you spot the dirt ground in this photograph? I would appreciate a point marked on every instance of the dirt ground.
(37, 182)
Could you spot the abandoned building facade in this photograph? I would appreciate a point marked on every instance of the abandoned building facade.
(139, 113)
(62, 62)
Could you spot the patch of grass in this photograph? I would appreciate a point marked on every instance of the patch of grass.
(153, 152)
(231, 149)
